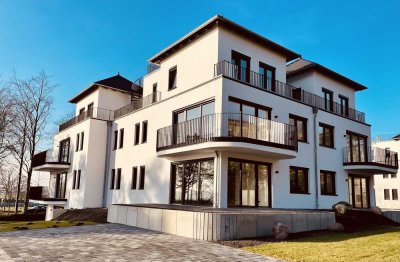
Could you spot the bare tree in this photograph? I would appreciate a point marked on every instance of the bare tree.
(8, 182)
(34, 100)
(6, 118)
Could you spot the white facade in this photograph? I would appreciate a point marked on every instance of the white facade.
(203, 77)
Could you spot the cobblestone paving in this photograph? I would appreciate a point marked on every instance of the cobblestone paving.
(112, 242)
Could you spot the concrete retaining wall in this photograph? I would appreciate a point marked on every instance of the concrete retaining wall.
(213, 226)
(393, 215)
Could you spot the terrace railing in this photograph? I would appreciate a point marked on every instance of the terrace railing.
(228, 127)
(260, 81)
(98, 113)
(137, 104)
(371, 155)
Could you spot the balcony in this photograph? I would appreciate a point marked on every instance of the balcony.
(97, 113)
(233, 132)
(373, 161)
(41, 195)
(261, 82)
(138, 104)
(50, 161)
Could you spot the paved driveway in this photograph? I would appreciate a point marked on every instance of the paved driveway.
(112, 242)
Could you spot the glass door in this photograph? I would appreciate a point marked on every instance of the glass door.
(248, 184)
(357, 147)
(263, 185)
(64, 151)
(359, 191)
(61, 180)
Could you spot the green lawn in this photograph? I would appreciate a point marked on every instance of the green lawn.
(374, 245)
(8, 226)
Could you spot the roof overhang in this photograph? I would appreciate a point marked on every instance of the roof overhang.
(90, 89)
(229, 25)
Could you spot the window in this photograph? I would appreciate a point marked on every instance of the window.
(154, 93)
(298, 180)
(137, 133)
(328, 99)
(81, 111)
(144, 132)
(241, 68)
(82, 137)
(90, 109)
(121, 138)
(134, 177)
(394, 176)
(395, 196)
(115, 139)
(327, 182)
(344, 105)
(112, 180)
(356, 147)
(267, 77)
(142, 177)
(172, 78)
(301, 125)
(118, 182)
(77, 143)
(74, 180)
(386, 194)
(326, 135)
(63, 155)
(385, 176)
(78, 180)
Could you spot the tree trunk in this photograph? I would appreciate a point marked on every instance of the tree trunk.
(20, 171)
(28, 188)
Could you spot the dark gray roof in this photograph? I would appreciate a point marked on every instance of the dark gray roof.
(302, 66)
(396, 137)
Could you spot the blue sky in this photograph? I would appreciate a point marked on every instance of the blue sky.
(79, 42)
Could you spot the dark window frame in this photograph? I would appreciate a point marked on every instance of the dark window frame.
(235, 55)
(144, 131)
(344, 105)
(137, 134)
(332, 135)
(394, 175)
(134, 177)
(395, 194)
(296, 119)
(74, 180)
(172, 73)
(112, 180)
(115, 146)
(118, 179)
(142, 177)
(267, 67)
(78, 180)
(77, 141)
(296, 189)
(121, 138)
(385, 176)
(323, 174)
(82, 141)
(386, 194)
(328, 96)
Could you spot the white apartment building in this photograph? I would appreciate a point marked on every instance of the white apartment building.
(387, 186)
(224, 118)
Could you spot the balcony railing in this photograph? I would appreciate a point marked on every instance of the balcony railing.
(48, 157)
(42, 193)
(152, 67)
(228, 127)
(260, 81)
(371, 155)
(98, 113)
(137, 104)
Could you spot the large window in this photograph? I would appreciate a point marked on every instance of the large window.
(112, 180)
(63, 156)
(395, 195)
(115, 139)
(326, 135)
(118, 179)
(134, 177)
(242, 66)
(76, 182)
(301, 125)
(193, 182)
(298, 180)
(356, 147)
(82, 139)
(359, 191)
(77, 142)
(172, 78)
(327, 182)
(267, 77)
(328, 99)
(121, 138)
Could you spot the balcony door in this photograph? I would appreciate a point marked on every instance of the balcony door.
(241, 64)
(359, 191)
(249, 183)
(63, 156)
(356, 148)
(61, 183)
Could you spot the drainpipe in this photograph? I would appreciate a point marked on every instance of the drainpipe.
(216, 196)
(106, 163)
(315, 112)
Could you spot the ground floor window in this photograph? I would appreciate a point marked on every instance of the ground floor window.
(298, 180)
(193, 182)
(249, 183)
(327, 180)
(359, 191)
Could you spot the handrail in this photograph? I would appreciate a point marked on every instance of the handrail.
(95, 112)
(137, 104)
(372, 155)
(47, 156)
(260, 81)
(228, 127)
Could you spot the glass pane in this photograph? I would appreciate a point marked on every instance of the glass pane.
(208, 109)
(322, 179)
(269, 79)
(206, 182)
(248, 184)
(178, 183)
(234, 119)
(263, 125)
(193, 113)
(249, 121)
(321, 135)
(362, 150)
(364, 192)
(191, 182)
(234, 182)
(243, 70)
(355, 150)
(350, 190)
(301, 181)
(300, 130)
(179, 118)
(327, 137)
(293, 187)
(263, 185)
(261, 77)
(329, 184)
(357, 193)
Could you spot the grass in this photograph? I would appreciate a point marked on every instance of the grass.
(373, 245)
(8, 226)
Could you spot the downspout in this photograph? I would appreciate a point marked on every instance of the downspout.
(315, 112)
(106, 164)
(216, 195)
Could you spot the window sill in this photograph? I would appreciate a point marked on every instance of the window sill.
(304, 142)
(172, 88)
(327, 147)
(300, 193)
(329, 195)
(144, 142)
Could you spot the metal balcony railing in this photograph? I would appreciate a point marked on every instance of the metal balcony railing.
(137, 104)
(48, 157)
(228, 127)
(260, 81)
(98, 113)
(370, 155)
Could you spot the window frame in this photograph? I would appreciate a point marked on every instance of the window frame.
(267, 67)
(395, 194)
(235, 55)
(78, 180)
(344, 107)
(142, 177)
(297, 118)
(332, 136)
(386, 194)
(82, 141)
(296, 189)
(77, 142)
(144, 131)
(137, 134)
(112, 180)
(171, 71)
(134, 178)
(74, 180)
(118, 179)
(115, 145)
(121, 138)
(323, 190)
(328, 94)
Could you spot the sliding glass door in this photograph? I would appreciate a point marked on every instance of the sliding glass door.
(248, 183)
(359, 191)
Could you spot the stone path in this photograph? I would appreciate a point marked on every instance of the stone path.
(112, 242)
